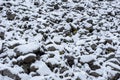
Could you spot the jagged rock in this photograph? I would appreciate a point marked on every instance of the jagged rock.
(7, 72)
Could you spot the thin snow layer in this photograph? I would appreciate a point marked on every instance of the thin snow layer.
(27, 48)
(60, 39)
(42, 68)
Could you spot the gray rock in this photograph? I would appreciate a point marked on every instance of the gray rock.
(94, 74)
(10, 15)
(29, 59)
(1, 8)
(52, 48)
(70, 60)
(79, 8)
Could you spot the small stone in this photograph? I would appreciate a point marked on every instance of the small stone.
(29, 58)
(10, 15)
(52, 48)
(26, 18)
(33, 69)
(70, 60)
(56, 7)
(69, 20)
(108, 41)
(63, 69)
(90, 21)
(1, 8)
(109, 50)
(92, 66)
(94, 74)
(94, 46)
(52, 66)
(36, 3)
(51, 55)
(64, 0)
(2, 35)
(79, 8)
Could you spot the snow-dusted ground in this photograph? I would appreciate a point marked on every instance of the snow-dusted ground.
(59, 39)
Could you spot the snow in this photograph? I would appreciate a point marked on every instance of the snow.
(87, 58)
(42, 68)
(39, 25)
(27, 48)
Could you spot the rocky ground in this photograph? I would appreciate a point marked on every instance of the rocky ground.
(59, 39)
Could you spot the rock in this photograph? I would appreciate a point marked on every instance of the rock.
(68, 20)
(36, 3)
(90, 21)
(51, 48)
(10, 15)
(63, 69)
(94, 46)
(77, 78)
(76, 1)
(92, 66)
(90, 29)
(51, 55)
(52, 66)
(64, 0)
(27, 48)
(29, 58)
(61, 29)
(1, 47)
(79, 8)
(8, 4)
(108, 41)
(116, 77)
(7, 72)
(26, 67)
(56, 7)
(109, 50)
(26, 18)
(70, 60)
(33, 69)
(94, 74)
(1, 8)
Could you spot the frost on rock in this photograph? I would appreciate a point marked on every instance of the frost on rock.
(60, 39)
